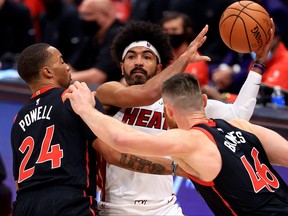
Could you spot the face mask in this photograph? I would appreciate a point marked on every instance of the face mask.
(176, 40)
(89, 28)
(269, 56)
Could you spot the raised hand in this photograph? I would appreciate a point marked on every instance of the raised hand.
(262, 53)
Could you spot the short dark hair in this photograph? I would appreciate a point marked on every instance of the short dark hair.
(184, 90)
(31, 59)
(139, 31)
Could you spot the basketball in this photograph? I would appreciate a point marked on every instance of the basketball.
(245, 26)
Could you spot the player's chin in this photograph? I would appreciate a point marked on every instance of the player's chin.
(139, 79)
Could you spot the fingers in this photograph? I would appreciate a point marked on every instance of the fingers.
(262, 53)
(203, 32)
(272, 32)
(200, 38)
(205, 58)
(273, 24)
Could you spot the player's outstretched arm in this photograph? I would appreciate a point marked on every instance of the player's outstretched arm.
(244, 105)
(150, 165)
(119, 95)
(118, 135)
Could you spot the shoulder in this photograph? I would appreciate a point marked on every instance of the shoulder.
(109, 87)
(241, 124)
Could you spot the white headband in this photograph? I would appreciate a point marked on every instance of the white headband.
(143, 44)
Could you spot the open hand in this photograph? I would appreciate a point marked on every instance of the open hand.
(262, 53)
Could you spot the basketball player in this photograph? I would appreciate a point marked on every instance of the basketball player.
(228, 162)
(143, 51)
(49, 141)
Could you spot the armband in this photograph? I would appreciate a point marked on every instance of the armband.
(260, 65)
(174, 167)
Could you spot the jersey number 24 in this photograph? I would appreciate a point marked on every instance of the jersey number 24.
(54, 155)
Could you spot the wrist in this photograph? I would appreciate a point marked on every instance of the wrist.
(259, 66)
(184, 58)
(86, 111)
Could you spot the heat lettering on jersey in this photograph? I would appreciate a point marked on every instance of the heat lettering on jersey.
(144, 118)
(232, 139)
(41, 112)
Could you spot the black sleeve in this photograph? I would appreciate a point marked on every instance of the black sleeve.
(87, 131)
(99, 105)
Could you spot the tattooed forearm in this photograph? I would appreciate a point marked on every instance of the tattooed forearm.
(140, 164)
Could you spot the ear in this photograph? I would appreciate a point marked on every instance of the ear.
(122, 67)
(204, 98)
(159, 68)
(46, 72)
(168, 110)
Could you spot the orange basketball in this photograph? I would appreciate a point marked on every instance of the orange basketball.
(245, 26)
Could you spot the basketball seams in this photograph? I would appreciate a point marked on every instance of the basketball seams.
(252, 9)
(246, 33)
(257, 23)
(250, 14)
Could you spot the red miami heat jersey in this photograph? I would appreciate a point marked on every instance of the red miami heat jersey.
(50, 143)
(247, 183)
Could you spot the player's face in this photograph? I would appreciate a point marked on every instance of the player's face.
(174, 26)
(60, 70)
(139, 65)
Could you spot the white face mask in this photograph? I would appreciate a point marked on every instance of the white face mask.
(253, 55)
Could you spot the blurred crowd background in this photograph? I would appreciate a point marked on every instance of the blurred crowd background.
(84, 29)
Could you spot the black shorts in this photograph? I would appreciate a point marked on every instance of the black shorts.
(54, 201)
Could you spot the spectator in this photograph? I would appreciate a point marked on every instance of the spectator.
(60, 26)
(228, 77)
(5, 192)
(93, 62)
(36, 8)
(206, 12)
(276, 72)
(178, 27)
(16, 30)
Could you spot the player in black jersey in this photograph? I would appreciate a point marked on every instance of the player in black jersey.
(230, 163)
(50, 142)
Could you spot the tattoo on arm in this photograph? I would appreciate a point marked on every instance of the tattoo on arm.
(139, 164)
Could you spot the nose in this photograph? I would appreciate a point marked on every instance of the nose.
(68, 68)
(138, 61)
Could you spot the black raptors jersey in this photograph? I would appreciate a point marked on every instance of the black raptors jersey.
(50, 143)
(247, 183)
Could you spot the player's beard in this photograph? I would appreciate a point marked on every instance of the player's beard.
(138, 76)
